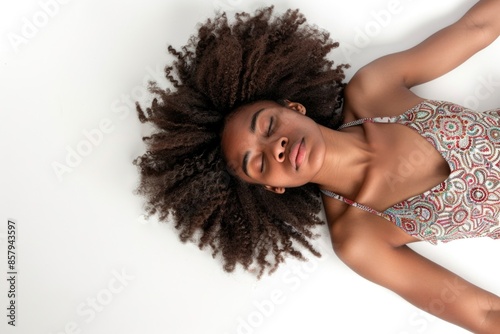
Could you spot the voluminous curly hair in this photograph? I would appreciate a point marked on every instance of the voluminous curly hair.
(183, 174)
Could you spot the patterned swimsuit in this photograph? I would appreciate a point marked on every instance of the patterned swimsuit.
(467, 203)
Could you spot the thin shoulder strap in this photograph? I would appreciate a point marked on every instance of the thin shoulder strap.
(356, 122)
(355, 204)
(370, 120)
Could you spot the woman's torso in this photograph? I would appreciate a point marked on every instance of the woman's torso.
(393, 144)
(407, 165)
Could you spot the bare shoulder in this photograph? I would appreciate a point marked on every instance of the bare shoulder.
(352, 227)
(375, 92)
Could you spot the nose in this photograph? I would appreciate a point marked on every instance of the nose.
(279, 149)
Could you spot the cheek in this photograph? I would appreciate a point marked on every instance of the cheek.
(317, 154)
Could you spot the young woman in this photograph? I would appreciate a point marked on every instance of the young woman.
(259, 99)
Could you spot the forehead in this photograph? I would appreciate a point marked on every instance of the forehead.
(241, 119)
(247, 110)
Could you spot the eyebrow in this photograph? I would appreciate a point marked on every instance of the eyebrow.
(252, 130)
(254, 120)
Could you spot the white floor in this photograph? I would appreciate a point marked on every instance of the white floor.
(87, 261)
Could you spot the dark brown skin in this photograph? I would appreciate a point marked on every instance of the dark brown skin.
(370, 245)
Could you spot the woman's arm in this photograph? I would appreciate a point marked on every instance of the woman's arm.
(390, 77)
(449, 47)
(421, 282)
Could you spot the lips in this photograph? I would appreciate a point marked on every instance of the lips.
(297, 154)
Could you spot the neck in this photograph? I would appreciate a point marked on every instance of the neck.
(347, 158)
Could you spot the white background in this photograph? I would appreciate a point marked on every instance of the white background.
(87, 260)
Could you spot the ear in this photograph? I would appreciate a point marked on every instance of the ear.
(277, 190)
(295, 106)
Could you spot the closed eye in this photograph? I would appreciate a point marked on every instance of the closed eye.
(269, 130)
